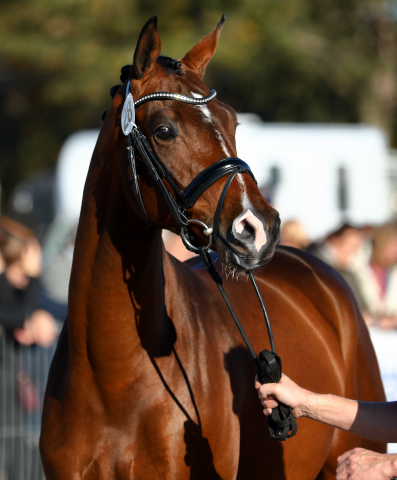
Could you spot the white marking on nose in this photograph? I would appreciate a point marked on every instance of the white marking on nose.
(208, 118)
(256, 225)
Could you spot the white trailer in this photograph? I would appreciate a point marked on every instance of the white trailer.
(319, 174)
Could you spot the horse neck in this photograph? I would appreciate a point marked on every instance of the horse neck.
(116, 296)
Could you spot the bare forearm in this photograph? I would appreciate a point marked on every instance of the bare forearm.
(375, 421)
(330, 409)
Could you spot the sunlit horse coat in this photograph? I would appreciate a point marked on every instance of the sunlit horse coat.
(151, 379)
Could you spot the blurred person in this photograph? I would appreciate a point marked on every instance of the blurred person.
(377, 275)
(293, 234)
(340, 249)
(21, 260)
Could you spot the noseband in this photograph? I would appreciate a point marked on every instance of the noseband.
(282, 424)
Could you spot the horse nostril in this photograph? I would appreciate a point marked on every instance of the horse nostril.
(248, 231)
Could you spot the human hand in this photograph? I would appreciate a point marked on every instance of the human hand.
(361, 464)
(31, 258)
(286, 392)
(39, 328)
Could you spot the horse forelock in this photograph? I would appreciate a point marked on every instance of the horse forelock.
(169, 64)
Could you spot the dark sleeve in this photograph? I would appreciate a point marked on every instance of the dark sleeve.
(11, 318)
(15, 305)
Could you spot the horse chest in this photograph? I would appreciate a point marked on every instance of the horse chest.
(158, 442)
(159, 427)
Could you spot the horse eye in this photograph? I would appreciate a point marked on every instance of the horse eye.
(164, 133)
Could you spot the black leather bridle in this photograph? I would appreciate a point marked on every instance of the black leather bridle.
(188, 197)
(282, 423)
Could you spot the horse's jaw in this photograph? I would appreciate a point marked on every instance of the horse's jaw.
(236, 264)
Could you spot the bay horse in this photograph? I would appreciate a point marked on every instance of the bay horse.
(151, 379)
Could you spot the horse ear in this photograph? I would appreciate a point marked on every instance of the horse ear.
(147, 50)
(198, 57)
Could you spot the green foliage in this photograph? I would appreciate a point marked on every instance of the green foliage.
(286, 60)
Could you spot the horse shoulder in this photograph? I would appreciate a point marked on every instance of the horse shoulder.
(308, 280)
(315, 281)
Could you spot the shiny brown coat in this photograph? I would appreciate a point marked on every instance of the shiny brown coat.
(151, 379)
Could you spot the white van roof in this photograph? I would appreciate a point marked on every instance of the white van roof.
(308, 159)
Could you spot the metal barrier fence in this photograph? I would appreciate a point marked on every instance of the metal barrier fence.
(23, 377)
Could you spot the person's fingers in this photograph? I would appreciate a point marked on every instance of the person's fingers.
(269, 403)
(42, 327)
(342, 475)
(346, 464)
(347, 454)
(342, 470)
(46, 338)
(342, 457)
(46, 332)
(268, 390)
(263, 397)
(258, 383)
(23, 336)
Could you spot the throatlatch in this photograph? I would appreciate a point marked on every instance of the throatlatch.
(282, 423)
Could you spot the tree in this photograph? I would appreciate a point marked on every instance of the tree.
(306, 61)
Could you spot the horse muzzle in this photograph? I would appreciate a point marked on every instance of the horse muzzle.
(250, 241)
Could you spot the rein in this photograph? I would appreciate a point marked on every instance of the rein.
(282, 423)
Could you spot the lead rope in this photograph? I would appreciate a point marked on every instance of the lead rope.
(282, 423)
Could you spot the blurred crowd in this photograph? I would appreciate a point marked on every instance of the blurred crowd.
(365, 256)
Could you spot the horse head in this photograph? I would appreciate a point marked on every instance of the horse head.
(192, 144)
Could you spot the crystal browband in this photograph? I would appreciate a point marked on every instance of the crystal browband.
(175, 96)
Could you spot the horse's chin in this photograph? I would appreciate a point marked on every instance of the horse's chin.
(237, 263)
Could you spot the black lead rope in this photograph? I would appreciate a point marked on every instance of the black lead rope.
(282, 423)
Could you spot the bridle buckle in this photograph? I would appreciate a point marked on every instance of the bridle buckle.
(207, 232)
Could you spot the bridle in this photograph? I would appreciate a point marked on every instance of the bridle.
(188, 197)
(282, 423)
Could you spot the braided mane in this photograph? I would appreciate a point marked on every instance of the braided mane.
(173, 66)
